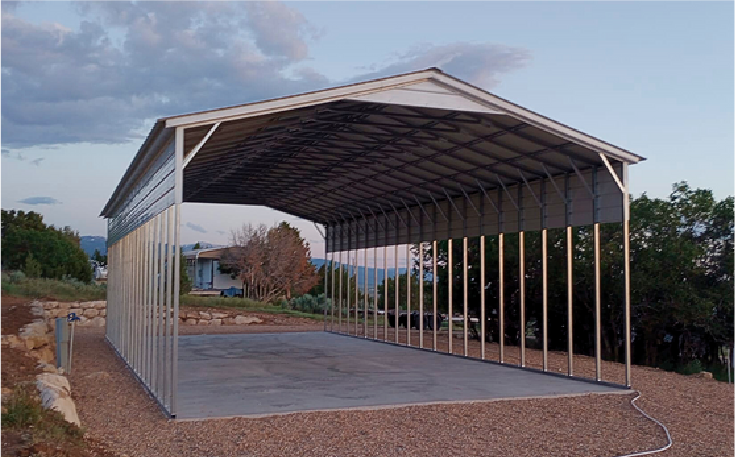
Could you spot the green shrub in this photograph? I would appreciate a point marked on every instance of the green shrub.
(21, 410)
(17, 276)
(694, 366)
(309, 303)
(32, 268)
(70, 289)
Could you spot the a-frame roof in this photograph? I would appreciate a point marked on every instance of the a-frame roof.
(382, 143)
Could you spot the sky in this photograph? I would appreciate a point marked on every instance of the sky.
(82, 83)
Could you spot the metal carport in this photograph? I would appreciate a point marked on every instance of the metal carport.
(408, 159)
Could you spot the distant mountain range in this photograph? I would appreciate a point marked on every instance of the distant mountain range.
(361, 273)
(90, 243)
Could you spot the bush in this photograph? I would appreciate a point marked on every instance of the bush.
(694, 366)
(308, 303)
(16, 276)
(21, 410)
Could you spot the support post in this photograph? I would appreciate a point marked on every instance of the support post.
(544, 279)
(408, 283)
(435, 291)
(349, 274)
(375, 280)
(449, 306)
(598, 283)
(522, 275)
(367, 289)
(501, 285)
(341, 275)
(421, 280)
(626, 269)
(465, 351)
(178, 200)
(326, 273)
(396, 285)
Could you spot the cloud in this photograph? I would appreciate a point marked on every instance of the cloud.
(144, 60)
(196, 228)
(37, 161)
(6, 152)
(479, 64)
(40, 201)
(220, 232)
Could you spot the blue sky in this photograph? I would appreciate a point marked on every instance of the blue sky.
(655, 78)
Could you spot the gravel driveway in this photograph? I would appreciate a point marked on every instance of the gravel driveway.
(698, 412)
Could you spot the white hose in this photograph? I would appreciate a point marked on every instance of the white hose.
(668, 435)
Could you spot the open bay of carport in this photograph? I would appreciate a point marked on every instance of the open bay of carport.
(275, 373)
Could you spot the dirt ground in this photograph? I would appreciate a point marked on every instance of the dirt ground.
(50, 435)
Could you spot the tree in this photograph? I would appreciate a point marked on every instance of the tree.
(32, 268)
(271, 263)
(99, 257)
(197, 246)
(184, 281)
(57, 251)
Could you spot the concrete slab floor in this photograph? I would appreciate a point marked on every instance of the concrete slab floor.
(261, 374)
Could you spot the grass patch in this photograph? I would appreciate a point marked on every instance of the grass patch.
(17, 285)
(244, 304)
(23, 412)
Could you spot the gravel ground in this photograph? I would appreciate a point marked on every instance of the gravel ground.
(699, 413)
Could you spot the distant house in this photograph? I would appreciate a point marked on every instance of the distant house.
(203, 269)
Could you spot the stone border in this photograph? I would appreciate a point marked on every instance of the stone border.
(37, 340)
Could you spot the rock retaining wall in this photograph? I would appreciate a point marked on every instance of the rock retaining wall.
(38, 341)
(94, 313)
(90, 313)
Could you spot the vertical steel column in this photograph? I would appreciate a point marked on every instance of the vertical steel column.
(544, 300)
(465, 290)
(132, 358)
(434, 279)
(139, 305)
(501, 285)
(326, 273)
(396, 282)
(408, 284)
(626, 269)
(450, 314)
(598, 291)
(169, 296)
(570, 272)
(385, 282)
(341, 272)
(357, 275)
(598, 299)
(375, 281)
(349, 273)
(544, 278)
(178, 201)
(450, 279)
(421, 280)
(334, 270)
(367, 289)
(155, 274)
(483, 316)
(522, 275)
(161, 307)
(147, 322)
